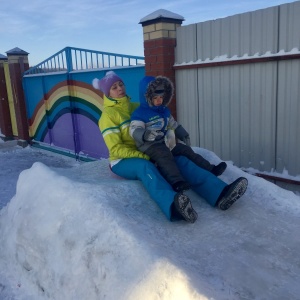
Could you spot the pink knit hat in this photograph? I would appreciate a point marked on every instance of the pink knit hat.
(106, 82)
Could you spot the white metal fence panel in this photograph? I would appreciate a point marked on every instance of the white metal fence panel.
(289, 30)
(244, 34)
(231, 110)
(288, 118)
(239, 35)
(187, 40)
(188, 106)
(246, 113)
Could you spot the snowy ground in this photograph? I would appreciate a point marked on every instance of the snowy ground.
(73, 231)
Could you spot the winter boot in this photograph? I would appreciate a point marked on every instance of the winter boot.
(232, 192)
(184, 207)
(219, 169)
(181, 186)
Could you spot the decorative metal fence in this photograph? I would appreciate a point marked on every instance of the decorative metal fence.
(75, 59)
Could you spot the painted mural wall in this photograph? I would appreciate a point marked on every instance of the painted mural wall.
(63, 108)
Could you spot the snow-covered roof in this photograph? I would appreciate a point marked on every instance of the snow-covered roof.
(162, 13)
(17, 51)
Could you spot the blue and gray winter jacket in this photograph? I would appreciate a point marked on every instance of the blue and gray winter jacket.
(149, 117)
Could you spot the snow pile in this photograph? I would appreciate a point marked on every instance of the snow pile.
(66, 241)
(84, 233)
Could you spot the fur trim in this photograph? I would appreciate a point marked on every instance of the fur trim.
(168, 88)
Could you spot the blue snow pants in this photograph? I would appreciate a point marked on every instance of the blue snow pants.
(203, 182)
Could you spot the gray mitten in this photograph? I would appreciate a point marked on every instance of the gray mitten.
(183, 135)
(152, 135)
(187, 140)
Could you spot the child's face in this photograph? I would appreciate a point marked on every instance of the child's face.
(158, 100)
(117, 90)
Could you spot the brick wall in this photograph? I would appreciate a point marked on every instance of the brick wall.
(159, 50)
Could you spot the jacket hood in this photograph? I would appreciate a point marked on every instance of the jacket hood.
(149, 84)
(143, 88)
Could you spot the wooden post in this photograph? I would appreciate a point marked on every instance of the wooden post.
(159, 29)
(5, 122)
(18, 64)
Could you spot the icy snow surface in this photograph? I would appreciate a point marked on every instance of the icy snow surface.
(76, 231)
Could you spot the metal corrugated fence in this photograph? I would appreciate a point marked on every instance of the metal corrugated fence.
(237, 87)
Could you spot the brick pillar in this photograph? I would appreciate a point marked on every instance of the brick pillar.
(5, 123)
(159, 29)
(18, 64)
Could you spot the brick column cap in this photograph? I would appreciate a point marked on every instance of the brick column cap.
(3, 57)
(161, 15)
(17, 51)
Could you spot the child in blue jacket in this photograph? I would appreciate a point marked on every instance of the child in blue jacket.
(126, 161)
(155, 131)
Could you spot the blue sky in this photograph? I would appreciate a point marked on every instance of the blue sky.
(43, 28)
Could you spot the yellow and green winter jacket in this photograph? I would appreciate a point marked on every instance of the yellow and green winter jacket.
(114, 126)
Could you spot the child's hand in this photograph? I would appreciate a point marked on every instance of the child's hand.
(183, 135)
(160, 135)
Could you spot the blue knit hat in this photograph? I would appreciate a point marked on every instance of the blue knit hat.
(106, 82)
